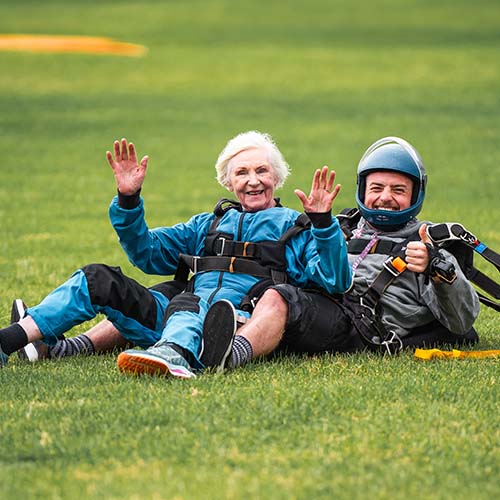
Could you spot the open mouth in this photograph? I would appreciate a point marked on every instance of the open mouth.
(387, 209)
(254, 193)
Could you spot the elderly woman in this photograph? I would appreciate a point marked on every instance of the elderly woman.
(228, 251)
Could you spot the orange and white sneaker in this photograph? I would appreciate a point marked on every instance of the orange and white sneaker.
(157, 360)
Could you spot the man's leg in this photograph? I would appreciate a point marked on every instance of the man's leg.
(265, 329)
(289, 319)
(258, 336)
(101, 338)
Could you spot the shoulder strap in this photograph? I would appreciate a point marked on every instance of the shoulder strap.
(225, 204)
(348, 219)
(446, 235)
(301, 222)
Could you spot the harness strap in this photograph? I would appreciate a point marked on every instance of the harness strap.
(348, 218)
(452, 231)
(392, 268)
(233, 265)
(444, 233)
(484, 282)
(386, 247)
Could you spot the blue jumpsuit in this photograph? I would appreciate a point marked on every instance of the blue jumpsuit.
(315, 256)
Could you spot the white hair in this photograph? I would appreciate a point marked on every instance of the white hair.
(249, 140)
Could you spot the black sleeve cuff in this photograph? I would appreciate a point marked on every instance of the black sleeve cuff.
(320, 220)
(129, 201)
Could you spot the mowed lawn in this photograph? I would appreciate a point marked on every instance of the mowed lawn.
(326, 79)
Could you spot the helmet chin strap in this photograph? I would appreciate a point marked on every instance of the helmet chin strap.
(390, 228)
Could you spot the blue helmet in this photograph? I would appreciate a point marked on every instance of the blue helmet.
(394, 155)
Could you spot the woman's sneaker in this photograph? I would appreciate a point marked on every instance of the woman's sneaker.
(219, 329)
(36, 350)
(160, 359)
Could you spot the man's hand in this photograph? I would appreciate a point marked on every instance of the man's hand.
(417, 255)
(129, 174)
(321, 198)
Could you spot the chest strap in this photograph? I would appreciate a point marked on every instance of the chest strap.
(385, 247)
(236, 265)
(264, 259)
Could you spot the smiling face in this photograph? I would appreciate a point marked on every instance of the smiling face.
(388, 191)
(252, 179)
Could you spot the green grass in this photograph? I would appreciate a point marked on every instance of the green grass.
(325, 78)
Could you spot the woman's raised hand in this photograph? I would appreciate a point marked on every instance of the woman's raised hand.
(322, 193)
(129, 174)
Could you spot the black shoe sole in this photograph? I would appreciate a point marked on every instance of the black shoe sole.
(17, 310)
(219, 329)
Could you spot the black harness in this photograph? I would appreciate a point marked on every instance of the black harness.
(452, 237)
(265, 260)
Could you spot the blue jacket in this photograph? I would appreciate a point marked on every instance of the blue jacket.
(314, 256)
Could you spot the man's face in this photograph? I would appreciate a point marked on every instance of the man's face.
(388, 191)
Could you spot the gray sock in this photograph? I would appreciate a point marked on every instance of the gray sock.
(242, 352)
(80, 344)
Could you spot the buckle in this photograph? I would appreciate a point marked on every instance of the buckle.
(395, 265)
(393, 344)
(461, 233)
(194, 264)
(223, 244)
(364, 303)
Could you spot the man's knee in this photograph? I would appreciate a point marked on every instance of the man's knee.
(273, 301)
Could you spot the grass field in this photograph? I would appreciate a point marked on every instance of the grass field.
(326, 79)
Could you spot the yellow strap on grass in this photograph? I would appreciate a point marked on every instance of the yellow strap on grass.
(428, 354)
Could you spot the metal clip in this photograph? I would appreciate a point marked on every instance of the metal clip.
(194, 264)
(393, 344)
(389, 266)
(223, 244)
(460, 232)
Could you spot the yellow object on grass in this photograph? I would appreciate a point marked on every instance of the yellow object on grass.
(428, 354)
(63, 43)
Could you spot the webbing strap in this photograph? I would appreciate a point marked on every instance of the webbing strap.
(385, 247)
(485, 282)
(393, 267)
(452, 231)
(225, 247)
(449, 232)
(229, 264)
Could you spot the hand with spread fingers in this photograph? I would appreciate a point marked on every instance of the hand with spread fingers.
(322, 193)
(129, 174)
